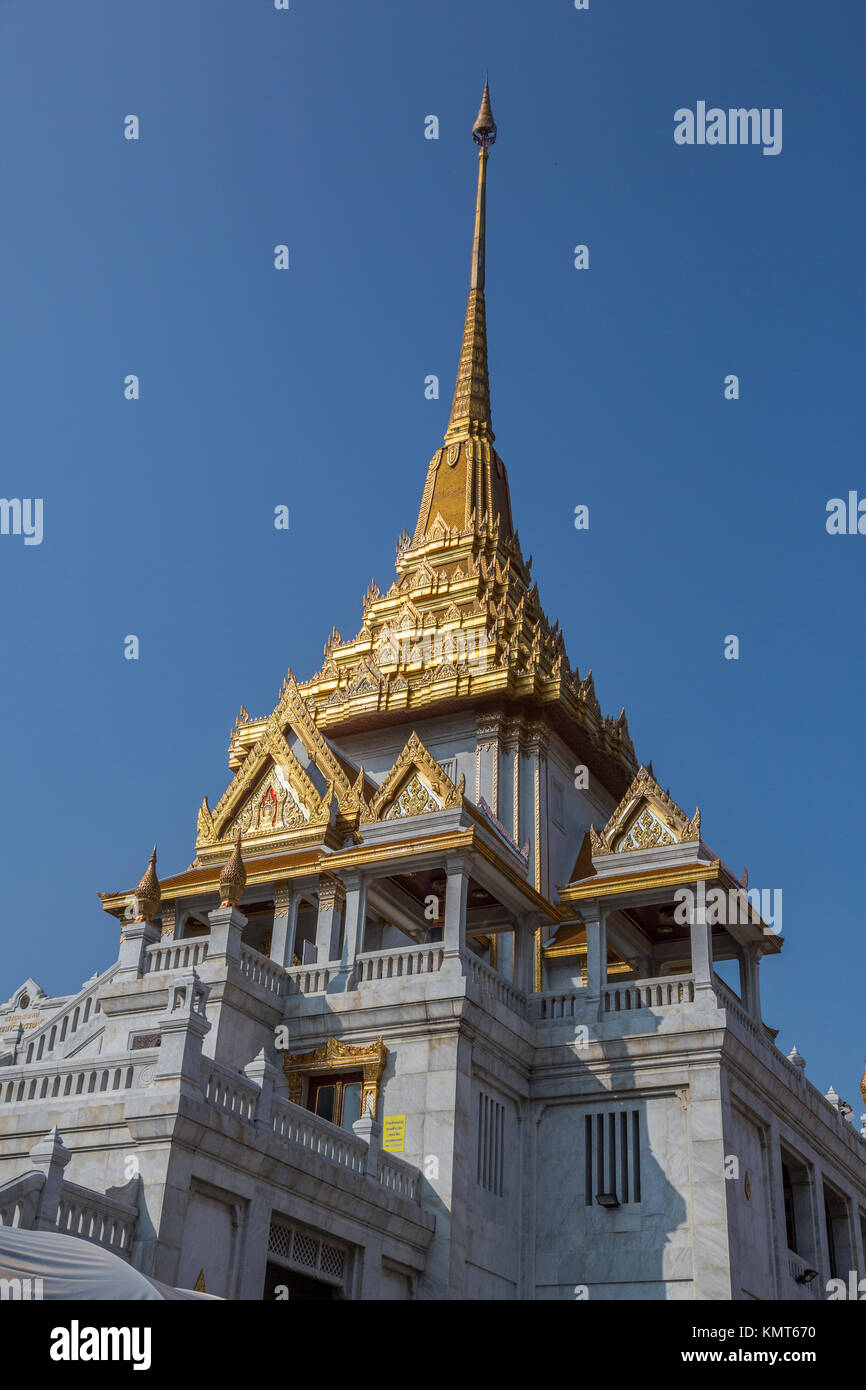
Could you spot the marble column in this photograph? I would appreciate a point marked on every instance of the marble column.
(524, 953)
(331, 899)
(702, 951)
(596, 953)
(750, 980)
(456, 902)
(355, 885)
(287, 900)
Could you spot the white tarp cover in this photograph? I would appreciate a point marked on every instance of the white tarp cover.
(73, 1269)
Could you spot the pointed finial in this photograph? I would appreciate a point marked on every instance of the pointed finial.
(796, 1058)
(484, 129)
(863, 1086)
(148, 892)
(233, 878)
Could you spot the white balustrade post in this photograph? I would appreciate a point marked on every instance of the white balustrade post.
(264, 1074)
(135, 938)
(50, 1156)
(226, 928)
(370, 1131)
(182, 1030)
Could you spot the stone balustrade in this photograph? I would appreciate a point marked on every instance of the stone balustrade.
(399, 1177)
(229, 1092)
(304, 1130)
(398, 962)
(660, 993)
(310, 979)
(262, 971)
(19, 1200)
(490, 982)
(97, 1217)
(102, 1218)
(176, 955)
(557, 1004)
(70, 1022)
(71, 1079)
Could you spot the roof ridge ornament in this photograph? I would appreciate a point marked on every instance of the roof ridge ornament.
(470, 408)
(233, 878)
(148, 893)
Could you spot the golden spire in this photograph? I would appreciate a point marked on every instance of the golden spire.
(148, 892)
(233, 878)
(470, 409)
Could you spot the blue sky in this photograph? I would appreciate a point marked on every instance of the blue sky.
(306, 388)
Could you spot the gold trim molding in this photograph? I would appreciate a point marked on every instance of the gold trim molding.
(335, 1055)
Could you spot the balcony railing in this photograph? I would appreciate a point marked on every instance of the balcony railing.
(71, 1079)
(661, 993)
(176, 955)
(310, 979)
(397, 962)
(263, 971)
(490, 982)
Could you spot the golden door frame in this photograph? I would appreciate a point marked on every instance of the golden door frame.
(334, 1055)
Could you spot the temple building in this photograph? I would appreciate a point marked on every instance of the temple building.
(424, 1019)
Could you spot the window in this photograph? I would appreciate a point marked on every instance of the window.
(491, 1144)
(303, 1265)
(336, 1098)
(790, 1213)
(838, 1234)
(449, 767)
(612, 1156)
(797, 1197)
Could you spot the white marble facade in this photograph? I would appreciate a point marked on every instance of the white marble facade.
(163, 1081)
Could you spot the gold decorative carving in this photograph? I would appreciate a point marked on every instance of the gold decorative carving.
(413, 800)
(169, 918)
(282, 899)
(335, 1055)
(206, 834)
(645, 818)
(148, 893)
(414, 765)
(646, 833)
(233, 878)
(331, 892)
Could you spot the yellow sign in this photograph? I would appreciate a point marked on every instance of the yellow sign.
(394, 1134)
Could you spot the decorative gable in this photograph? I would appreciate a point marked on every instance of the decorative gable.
(646, 818)
(274, 806)
(270, 796)
(416, 785)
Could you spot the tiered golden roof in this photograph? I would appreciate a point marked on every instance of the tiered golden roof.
(461, 626)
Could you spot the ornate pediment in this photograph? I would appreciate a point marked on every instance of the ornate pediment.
(646, 818)
(280, 788)
(270, 796)
(416, 785)
(273, 807)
